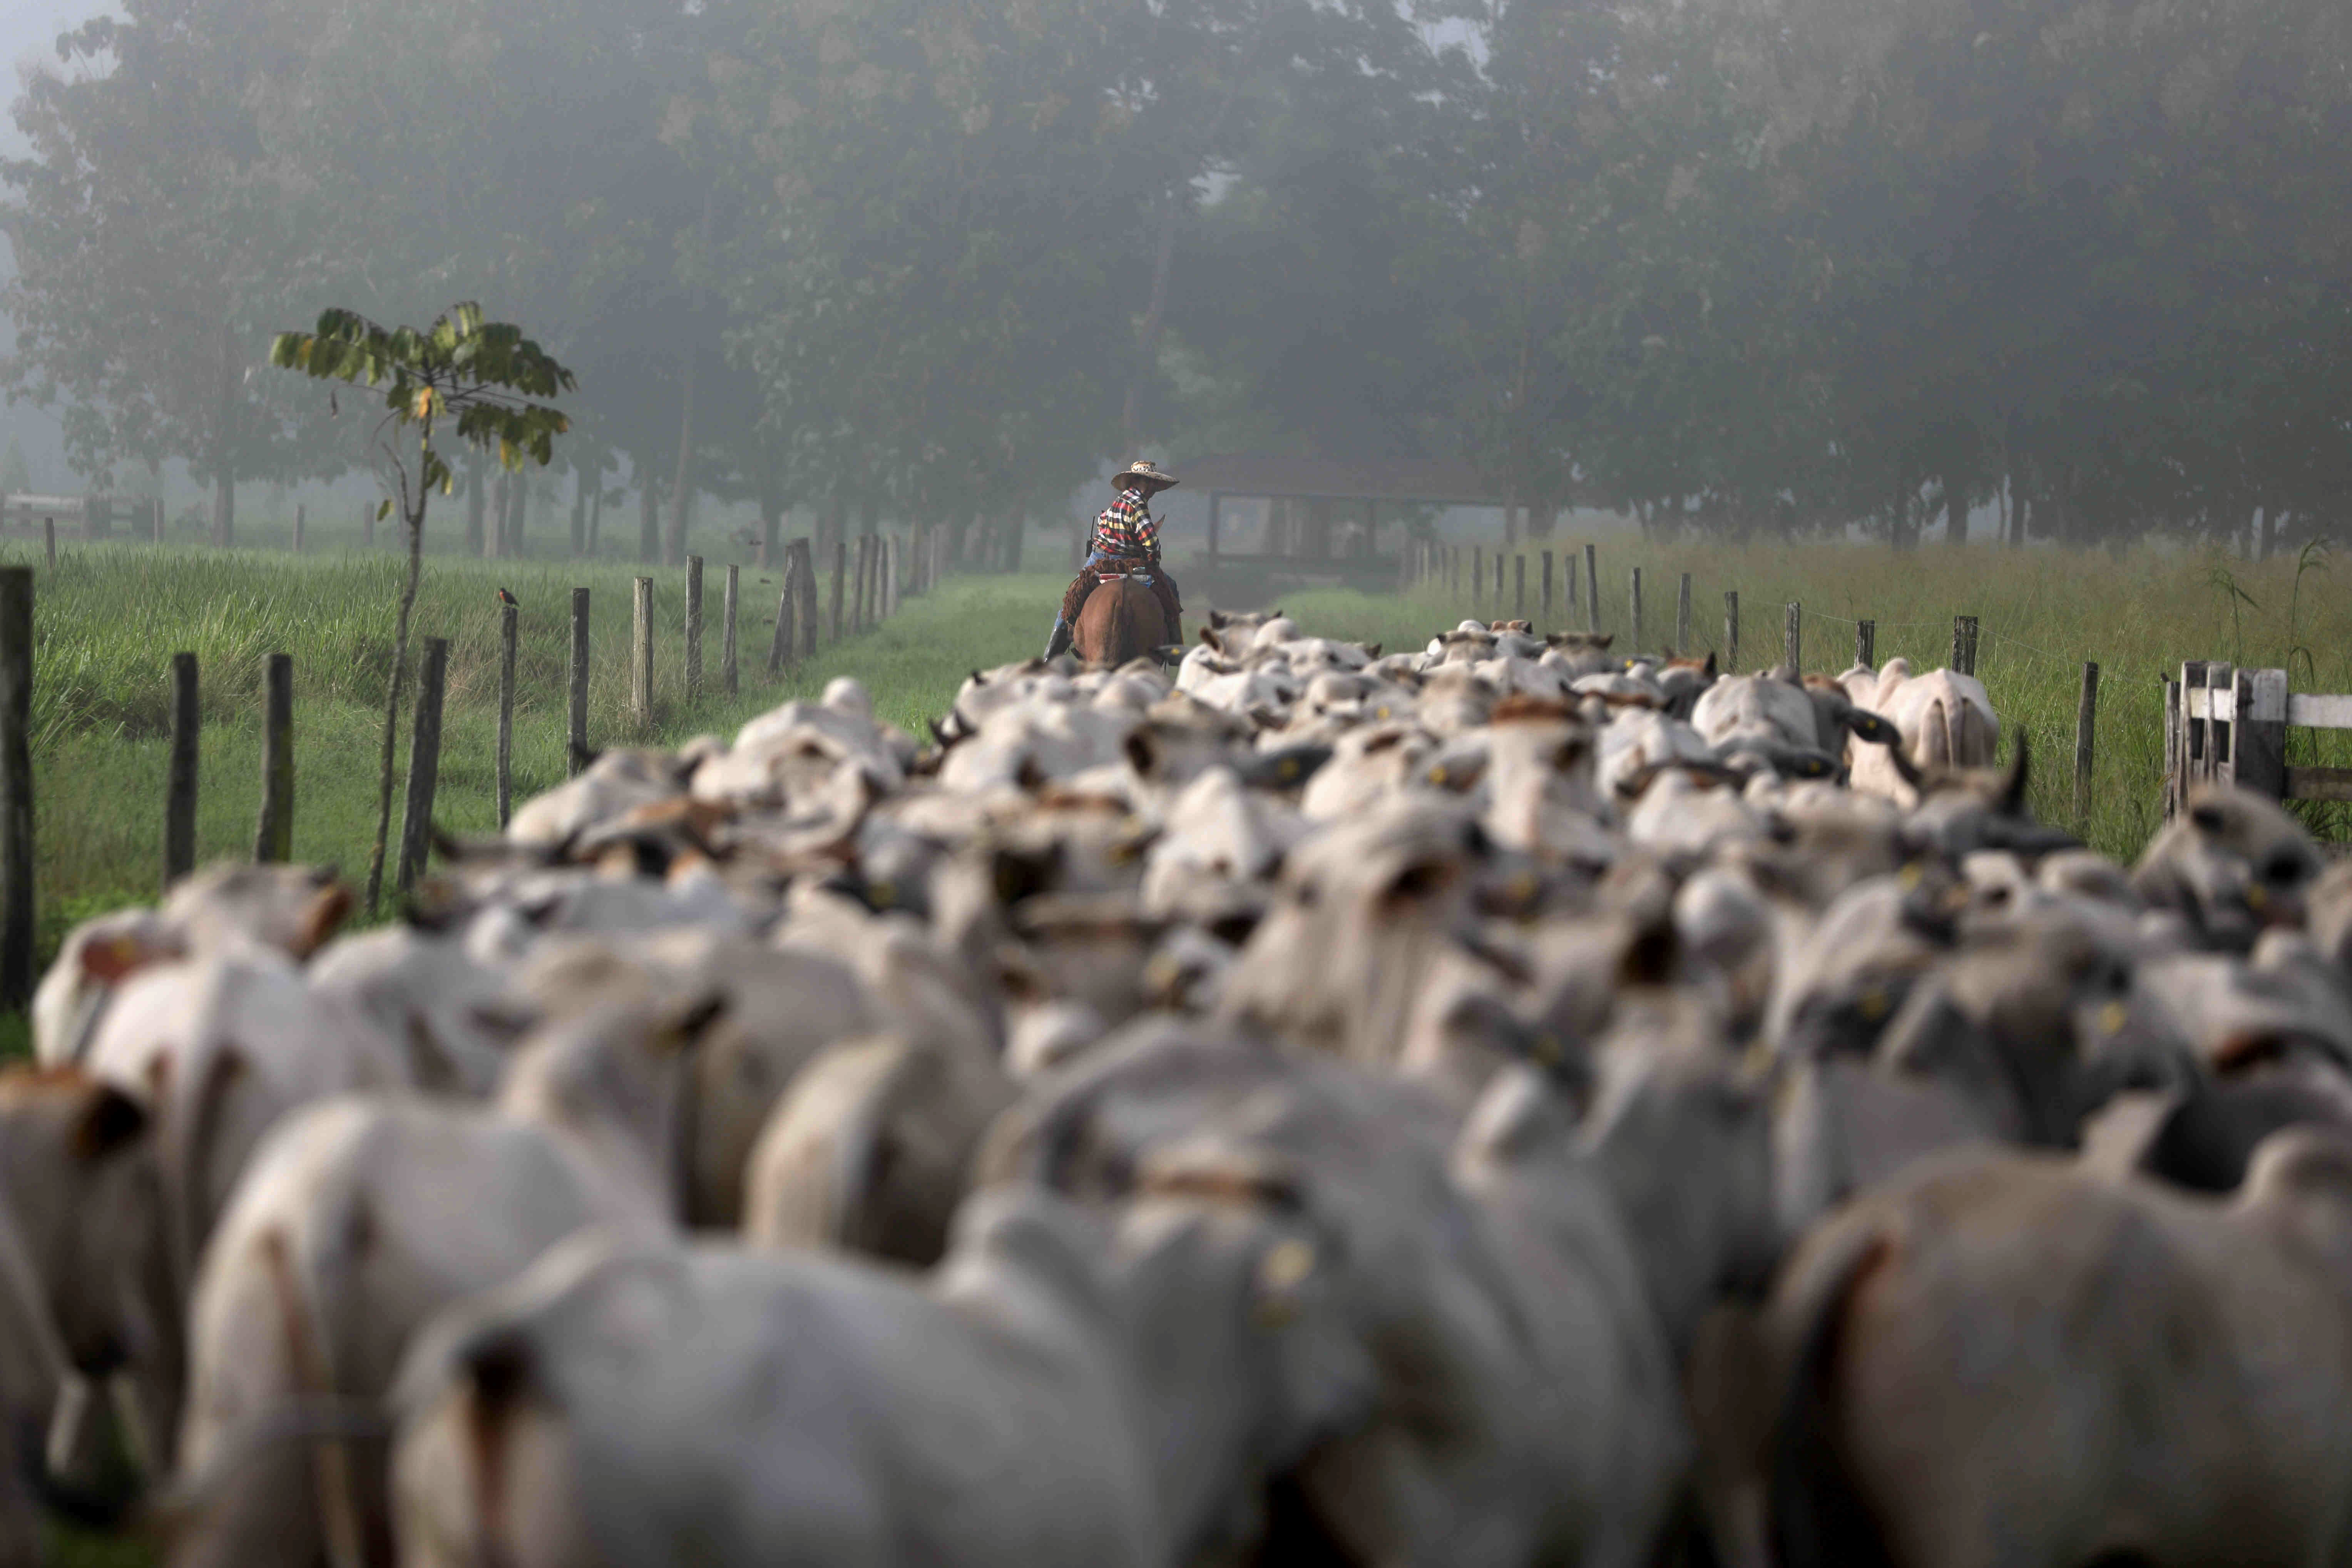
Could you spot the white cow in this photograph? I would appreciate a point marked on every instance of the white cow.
(1062, 1393)
(358, 1220)
(1944, 718)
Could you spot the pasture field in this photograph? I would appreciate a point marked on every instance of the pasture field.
(108, 617)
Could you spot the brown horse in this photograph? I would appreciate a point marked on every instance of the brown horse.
(1121, 620)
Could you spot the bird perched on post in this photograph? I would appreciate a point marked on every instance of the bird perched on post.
(507, 599)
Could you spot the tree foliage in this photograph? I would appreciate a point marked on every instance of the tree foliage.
(1739, 265)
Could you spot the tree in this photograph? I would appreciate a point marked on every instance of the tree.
(483, 380)
(16, 474)
(155, 234)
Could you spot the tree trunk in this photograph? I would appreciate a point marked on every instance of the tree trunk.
(960, 536)
(579, 508)
(416, 521)
(2021, 520)
(681, 487)
(1956, 513)
(1016, 529)
(516, 535)
(225, 444)
(648, 515)
(474, 497)
(596, 514)
(772, 515)
(224, 510)
(2269, 532)
(494, 537)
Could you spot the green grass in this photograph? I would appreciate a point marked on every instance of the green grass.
(109, 618)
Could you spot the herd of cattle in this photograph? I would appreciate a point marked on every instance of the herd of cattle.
(1501, 1103)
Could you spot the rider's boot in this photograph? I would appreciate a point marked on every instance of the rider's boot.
(1059, 643)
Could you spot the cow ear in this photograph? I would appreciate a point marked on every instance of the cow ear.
(1371, 650)
(113, 958)
(1416, 883)
(1143, 752)
(323, 917)
(1708, 668)
(1870, 727)
(686, 1028)
(1650, 958)
(109, 1121)
(2013, 790)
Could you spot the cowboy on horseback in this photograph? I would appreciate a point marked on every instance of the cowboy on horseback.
(1125, 542)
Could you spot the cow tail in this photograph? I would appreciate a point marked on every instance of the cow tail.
(306, 1353)
(499, 1371)
(1816, 1519)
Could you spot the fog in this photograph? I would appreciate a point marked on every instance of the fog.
(2052, 271)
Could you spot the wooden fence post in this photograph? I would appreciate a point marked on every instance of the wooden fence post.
(728, 679)
(2259, 736)
(302, 526)
(1636, 646)
(1731, 632)
(424, 766)
(1498, 584)
(15, 788)
(1519, 587)
(510, 628)
(155, 518)
(367, 527)
(1592, 588)
(575, 749)
(1865, 643)
(2086, 717)
(840, 571)
(1477, 576)
(1964, 644)
(1792, 653)
(1547, 588)
(693, 627)
(641, 652)
(784, 646)
(1567, 564)
(1682, 617)
(807, 620)
(49, 541)
(861, 587)
(180, 787)
(273, 837)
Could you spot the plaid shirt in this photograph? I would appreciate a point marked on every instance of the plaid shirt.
(1126, 528)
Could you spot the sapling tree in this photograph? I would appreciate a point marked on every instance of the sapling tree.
(462, 381)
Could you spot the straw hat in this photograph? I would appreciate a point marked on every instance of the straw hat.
(1143, 473)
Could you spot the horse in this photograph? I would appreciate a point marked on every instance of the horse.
(1121, 620)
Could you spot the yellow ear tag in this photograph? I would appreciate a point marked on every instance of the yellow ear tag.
(1280, 1272)
(2111, 1016)
(1911, 876)
(1871, 1005)
(2257, 896)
